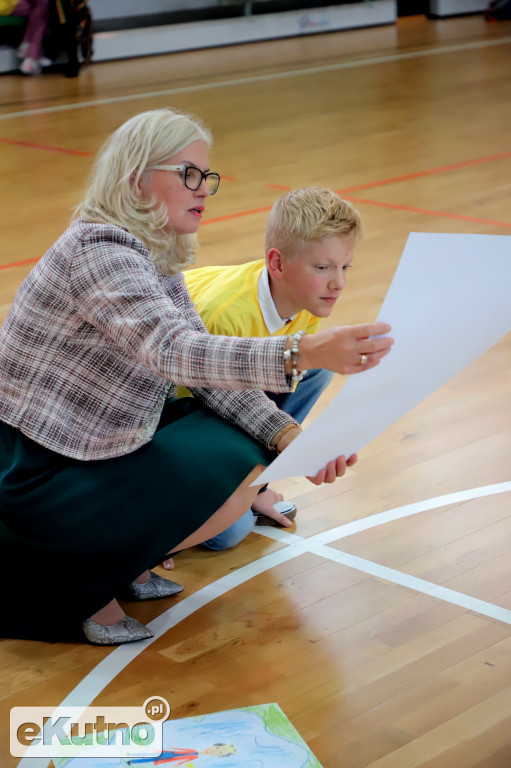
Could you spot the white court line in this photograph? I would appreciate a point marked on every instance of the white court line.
(410, 509)
(317, 542)
(107, 669)
(261, 78)
(412, 582)
(99, 677)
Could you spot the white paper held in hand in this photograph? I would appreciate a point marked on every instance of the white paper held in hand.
(449, 301)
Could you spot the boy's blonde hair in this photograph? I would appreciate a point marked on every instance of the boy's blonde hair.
(309, 215)
(112, 195)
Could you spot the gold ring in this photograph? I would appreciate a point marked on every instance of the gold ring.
(363, 359)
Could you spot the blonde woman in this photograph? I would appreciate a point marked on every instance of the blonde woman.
(102, 471)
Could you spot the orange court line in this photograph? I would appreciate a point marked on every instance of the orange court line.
(278, 186)
(31, 145)
(418, 174)
(19, 263)
(441, 214)
(237, 215)
(208, 221)
(413, 175)
(48, 148)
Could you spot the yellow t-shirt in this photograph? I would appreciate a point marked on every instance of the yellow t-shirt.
(227, 300)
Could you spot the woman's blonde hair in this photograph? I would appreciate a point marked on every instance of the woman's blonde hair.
(309, 215)
(113, 196)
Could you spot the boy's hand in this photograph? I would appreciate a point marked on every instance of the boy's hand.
(345, 349)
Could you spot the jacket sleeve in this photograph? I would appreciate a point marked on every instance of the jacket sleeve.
(250, 410)
(117, 289)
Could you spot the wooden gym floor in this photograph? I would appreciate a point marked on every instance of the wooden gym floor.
(403, 661)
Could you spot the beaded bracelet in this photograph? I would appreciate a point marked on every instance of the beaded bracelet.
(292, 354)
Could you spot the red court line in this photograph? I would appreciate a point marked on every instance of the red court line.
(48, 148)
(441, 214)
(237, 215)
(31, 145)
(208, 221)
(418, 174)
(19, 263)
(413, 175)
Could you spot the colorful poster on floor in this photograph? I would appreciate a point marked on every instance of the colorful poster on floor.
(253, 737)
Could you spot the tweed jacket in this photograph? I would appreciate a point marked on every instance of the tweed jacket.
(96, 339)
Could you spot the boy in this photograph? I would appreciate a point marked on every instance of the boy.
(310, 238)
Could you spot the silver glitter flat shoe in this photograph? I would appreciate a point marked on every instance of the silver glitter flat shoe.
(127, 630)
(154, 588)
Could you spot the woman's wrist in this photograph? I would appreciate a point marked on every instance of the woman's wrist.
(293, 362)
(304, 361)
(285, 436)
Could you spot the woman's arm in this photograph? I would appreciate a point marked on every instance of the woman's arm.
(250, 410)
(329, 474)
(116, 289)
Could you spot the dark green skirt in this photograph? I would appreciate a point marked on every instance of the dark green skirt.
(74, 533)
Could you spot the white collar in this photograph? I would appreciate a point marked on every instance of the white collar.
(272, 320)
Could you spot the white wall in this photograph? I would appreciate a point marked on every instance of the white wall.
(147, 41)
(243, 29)
(117, 9)
(454, 7)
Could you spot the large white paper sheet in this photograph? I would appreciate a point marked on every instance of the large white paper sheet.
(449, 301)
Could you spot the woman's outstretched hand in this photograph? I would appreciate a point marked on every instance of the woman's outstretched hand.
(334, 469)
(345, 349)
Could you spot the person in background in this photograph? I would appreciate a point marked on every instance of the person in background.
(30, 48)
(71, 34)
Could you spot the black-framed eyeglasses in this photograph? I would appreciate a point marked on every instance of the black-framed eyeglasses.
(193, 177)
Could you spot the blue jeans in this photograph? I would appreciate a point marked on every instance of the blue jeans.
(300, 402)
(297, 404)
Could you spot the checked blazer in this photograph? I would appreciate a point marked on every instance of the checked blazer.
(97, 338)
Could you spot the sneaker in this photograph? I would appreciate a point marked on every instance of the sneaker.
(30, 67)
(21, 52)
(286, 508)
